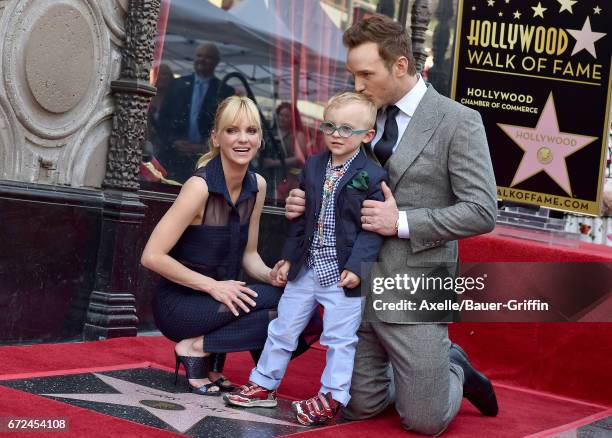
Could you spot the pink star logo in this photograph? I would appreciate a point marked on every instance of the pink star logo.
(545, 147)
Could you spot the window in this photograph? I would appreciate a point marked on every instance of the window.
(287, 55)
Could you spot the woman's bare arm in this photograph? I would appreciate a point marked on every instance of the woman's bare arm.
(186, 209)
(251, 260)
(183, 212)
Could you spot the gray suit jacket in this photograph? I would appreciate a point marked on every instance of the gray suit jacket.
(441, 176)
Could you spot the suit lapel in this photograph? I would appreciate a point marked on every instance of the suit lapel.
(367, 147)
(320, 168)
(211, 93)
(357, 164)
(189, 81)
(417, 134)
(319, 180)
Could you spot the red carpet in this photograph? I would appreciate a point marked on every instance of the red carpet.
(498, 247)
(521, 413)
(569, 359)
(550, 378)
(83, 422)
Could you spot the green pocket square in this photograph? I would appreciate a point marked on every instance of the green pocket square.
(361, 181)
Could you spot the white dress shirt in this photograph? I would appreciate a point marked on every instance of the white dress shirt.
(407, 105)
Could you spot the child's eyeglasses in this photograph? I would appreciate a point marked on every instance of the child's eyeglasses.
(345, 131)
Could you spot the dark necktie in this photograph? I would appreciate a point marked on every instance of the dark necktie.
(384, 148)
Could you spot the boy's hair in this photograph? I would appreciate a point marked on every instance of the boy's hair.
(389, 35)
(346, 97)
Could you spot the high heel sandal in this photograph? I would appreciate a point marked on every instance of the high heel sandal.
(196, 368)
(217, 360)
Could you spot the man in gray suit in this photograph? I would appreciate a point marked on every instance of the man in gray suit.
(442, 188)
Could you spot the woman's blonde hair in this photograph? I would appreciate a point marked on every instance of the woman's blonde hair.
(229, 111)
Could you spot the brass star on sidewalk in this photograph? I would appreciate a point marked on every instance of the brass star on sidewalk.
(181, 411)
(538, 10)
(566, 5)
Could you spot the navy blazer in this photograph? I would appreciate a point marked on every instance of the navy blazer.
(354, 246)
(174, 122)
(175, 112)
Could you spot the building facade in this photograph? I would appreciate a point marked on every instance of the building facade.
(82, 183)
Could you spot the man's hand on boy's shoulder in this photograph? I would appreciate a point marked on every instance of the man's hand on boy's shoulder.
(295, 204)
(380, 216)
(349, 279)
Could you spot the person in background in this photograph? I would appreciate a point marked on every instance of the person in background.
(283, 164)
(165, 77)
(386, 7)
(186, 117)
(607, 197)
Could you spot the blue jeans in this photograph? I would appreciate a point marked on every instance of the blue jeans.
(341, 320)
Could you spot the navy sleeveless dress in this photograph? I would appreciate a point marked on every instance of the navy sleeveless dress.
(215, 249)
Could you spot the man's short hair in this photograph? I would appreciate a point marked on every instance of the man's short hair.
(212, 48)
(389, 35)
(346, 97)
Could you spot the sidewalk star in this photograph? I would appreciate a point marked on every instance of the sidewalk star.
(545, 147)
(179, 410)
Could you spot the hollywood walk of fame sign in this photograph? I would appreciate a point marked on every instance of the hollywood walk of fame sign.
(538, 72)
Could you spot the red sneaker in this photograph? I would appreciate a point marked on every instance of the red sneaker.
(252, 396)
(319, 409)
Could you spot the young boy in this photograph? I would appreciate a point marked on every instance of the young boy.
(324, 255)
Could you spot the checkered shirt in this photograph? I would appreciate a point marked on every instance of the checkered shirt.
(322, 256)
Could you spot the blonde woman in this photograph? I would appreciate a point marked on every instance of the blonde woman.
(201, 243)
